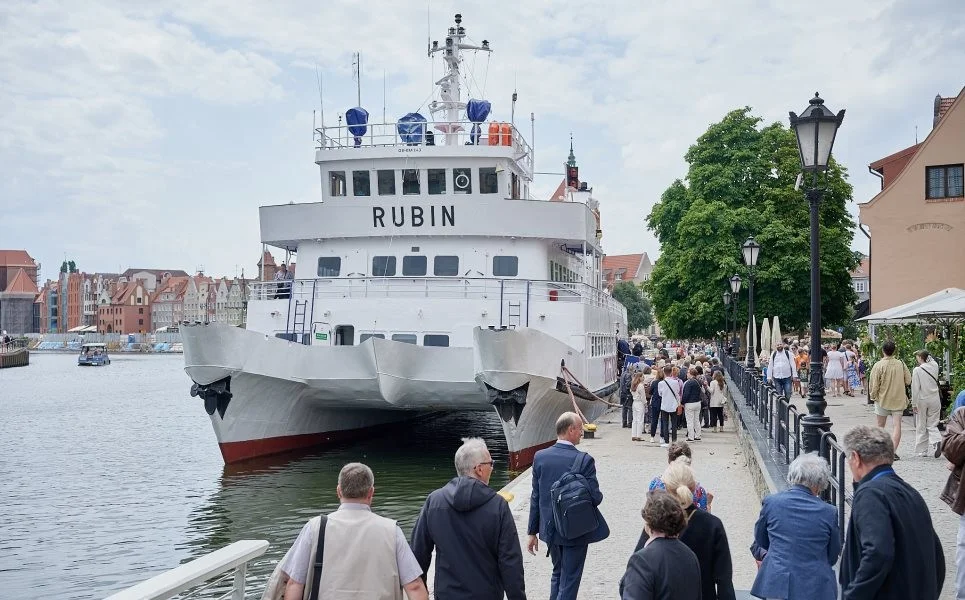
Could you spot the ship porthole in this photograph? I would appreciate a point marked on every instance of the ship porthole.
(462, 181)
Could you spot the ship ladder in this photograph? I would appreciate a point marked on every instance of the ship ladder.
(301, 306)
(515, 312)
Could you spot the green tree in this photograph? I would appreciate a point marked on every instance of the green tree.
(740, 182)
(639, 315)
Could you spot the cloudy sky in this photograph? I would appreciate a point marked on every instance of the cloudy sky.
(146, 134)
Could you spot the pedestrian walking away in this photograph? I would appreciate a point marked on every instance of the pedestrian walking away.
(889, 376)
(692, 397)
(549, 465)
(363, 555)
(680, 452)
(655, 401)
(472, 531)
(927, 405)
(891, 550)
(798, 561)
(626, 395)
(717, 397)
(665, 569)
(669, 391)
(639, 390)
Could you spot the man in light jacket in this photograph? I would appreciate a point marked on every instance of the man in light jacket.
(887, 384)
(473, 533)
(782, 370)
(953, 446)
(927, 404)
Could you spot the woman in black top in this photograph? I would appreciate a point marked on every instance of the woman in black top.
(664, 569)
(655, 403)
(704, 535)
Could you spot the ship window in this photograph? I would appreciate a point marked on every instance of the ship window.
(405, 338)
(365, 336)
(488, 183)
(336, 183)
(361, 186)
(410, 182)
(436, 180)
(414, 266)
(344, 335)
(329, 266)
(462, 181)
(435, 340)
(505, 266)
(386, 182)
(445, 266)
(383, 266)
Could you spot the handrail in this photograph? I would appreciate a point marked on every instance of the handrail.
(837, 493)
(191, 574)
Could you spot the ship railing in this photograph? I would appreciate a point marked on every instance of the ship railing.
(386, 135)
(206, 577)
(517, 290)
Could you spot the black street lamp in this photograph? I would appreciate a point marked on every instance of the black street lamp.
(751, 250)
(726, 319)
(735, 290)
(815, 130)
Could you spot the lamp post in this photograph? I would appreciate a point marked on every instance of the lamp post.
(735, 290)
(815, 130)
(726, 320)
(751, 250)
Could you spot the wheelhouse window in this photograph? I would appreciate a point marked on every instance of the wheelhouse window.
(505, 266)
(383, 266)
(361, 186)
(944, 182)
(462, 181)
(488, 182)
(414, 266)
(329, 266)
(445, 266)
(405, 338)
(336, 183)
(436, 181)
(432, 339)
(386, 182)
(410, 182)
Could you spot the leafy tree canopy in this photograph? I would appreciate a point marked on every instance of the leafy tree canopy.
(639, 315)
(740, 182)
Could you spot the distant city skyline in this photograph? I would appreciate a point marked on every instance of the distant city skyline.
(146, 136)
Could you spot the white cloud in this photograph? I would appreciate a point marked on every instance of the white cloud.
(163, 127)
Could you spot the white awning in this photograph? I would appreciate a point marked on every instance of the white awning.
(946, 304)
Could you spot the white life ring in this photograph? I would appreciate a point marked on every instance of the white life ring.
(462, 181)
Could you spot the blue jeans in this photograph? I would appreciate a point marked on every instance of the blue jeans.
(567, 571)
(783, 386)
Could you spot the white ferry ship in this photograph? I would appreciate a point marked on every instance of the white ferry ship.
(428, 280)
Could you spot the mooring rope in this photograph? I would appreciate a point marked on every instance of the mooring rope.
(567, 376)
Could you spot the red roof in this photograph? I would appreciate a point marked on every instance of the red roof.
(16, 258)
(629, 262)
(881, 162)
(559, 193)
(22, 284)
(863, 269)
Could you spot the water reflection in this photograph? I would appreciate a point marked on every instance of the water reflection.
(272, 498)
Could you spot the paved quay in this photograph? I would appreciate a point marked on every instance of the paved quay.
(624, 469)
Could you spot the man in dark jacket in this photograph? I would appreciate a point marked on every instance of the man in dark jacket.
(549, 465)
(891, 549)
(473, 533)
(953, 447)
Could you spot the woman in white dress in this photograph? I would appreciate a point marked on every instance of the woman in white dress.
(835, 372)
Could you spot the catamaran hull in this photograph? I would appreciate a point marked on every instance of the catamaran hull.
(265, 395)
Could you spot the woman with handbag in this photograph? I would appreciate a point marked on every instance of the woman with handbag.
(669, 390)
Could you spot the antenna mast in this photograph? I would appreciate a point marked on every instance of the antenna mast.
(451, 103)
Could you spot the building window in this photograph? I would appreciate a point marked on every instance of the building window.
(462, 181)
(445, 266)
(410, 182)
(405, 338)
(329, 266)
(944, 182)
(436, 180)
(505, 266)
(336, 183)
(361, 186)
(488, 182)
(435, 340)
(140, 321)
(140, 311)
(383, 266)
(414, 266)
(386, 183)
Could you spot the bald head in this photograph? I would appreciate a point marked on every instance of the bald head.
(569, 427)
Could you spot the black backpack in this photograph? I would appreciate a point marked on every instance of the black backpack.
(573, 510)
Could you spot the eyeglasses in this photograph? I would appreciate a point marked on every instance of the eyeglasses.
(491, 463)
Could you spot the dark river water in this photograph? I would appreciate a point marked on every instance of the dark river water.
(111, 475)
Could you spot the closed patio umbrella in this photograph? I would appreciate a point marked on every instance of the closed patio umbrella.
(765, 339)
(775, 332)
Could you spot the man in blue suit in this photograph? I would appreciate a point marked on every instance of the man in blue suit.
(549, 465)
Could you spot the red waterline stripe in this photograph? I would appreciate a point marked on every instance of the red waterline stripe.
(233, 452)
(522, 459)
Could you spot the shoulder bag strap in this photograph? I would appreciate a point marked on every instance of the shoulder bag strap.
(935, 379)
(319, 555)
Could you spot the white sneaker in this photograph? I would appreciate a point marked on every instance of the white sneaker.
(653, 440)
(664, 445)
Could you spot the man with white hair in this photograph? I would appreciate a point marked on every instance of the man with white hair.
(891, 550)
(473, 533)
(362, 555)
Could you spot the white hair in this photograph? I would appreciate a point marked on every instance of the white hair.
(811, 471)
(471, 454)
